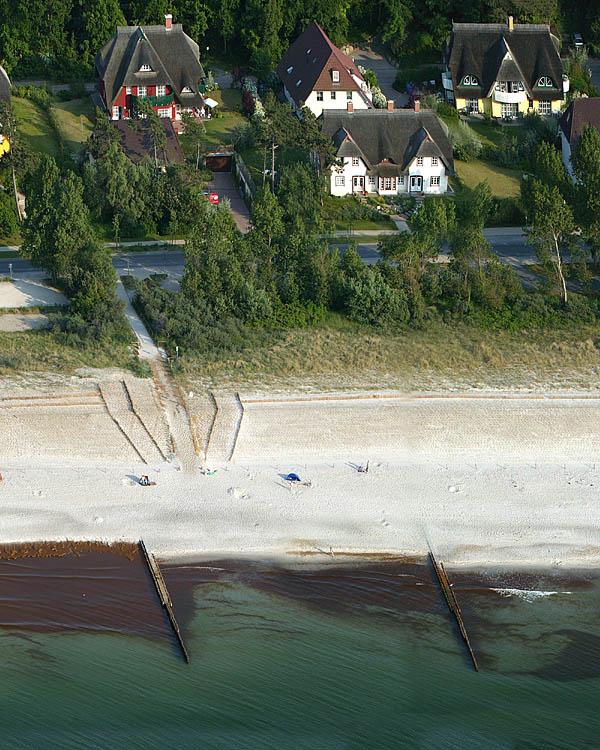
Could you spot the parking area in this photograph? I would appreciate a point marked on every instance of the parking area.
(224, 185)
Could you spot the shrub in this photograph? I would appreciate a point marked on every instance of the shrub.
(369, 299)
(465, 142)
(379, 100)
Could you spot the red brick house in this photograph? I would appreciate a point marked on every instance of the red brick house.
(160, 63)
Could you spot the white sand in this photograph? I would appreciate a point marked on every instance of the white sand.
(13, 322)
(492, 481)
(20, 293)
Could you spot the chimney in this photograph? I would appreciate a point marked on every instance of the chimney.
(168, 22)
(511, 25)
(417, 105)
(350, 107)
(390, 105)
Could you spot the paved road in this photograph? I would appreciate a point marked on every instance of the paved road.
(371, 56)
(508, 243)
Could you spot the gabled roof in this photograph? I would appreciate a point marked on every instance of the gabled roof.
(579, 113)
(480, 49)
(170, 53)
(388, 141)
(4, 85)
(308, 64)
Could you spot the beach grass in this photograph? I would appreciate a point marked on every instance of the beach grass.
(42, 350)
(340, 355)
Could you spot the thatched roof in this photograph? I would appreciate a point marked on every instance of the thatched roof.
(388, 141)
(492, 52)
(173, 58)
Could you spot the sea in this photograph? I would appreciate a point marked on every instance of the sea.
(335, 653)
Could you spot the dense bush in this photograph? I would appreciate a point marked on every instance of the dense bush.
(465, 141)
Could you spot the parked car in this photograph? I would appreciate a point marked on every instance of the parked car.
(212, 197)
(577, 40)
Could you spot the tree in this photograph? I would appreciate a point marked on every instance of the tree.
(194, 131)
(96, 21)
(586, 168)
(145, 111)
(15, 155)
(103, 135)
(551, 231)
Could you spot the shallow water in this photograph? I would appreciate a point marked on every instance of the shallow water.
(346, 656)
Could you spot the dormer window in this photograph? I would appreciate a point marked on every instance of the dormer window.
(145, 68)
(335, 76)
(289, 70)
(298, 82)
(470, 81)
(545, 83)
(309, 50)
(186, 90)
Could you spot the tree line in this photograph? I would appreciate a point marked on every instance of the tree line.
(255, 32)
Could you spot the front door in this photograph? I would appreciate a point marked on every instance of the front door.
(416, 183)
(358, 184)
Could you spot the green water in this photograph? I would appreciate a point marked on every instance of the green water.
(270, 671)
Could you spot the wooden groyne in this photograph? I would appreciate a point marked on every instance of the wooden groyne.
(452, 603)
(163, 595)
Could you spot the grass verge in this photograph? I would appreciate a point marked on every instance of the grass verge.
(344, 356)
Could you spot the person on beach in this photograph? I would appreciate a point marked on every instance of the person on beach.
(363, 468)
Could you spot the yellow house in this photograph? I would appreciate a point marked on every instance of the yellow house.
(504, 69)
(4, 96)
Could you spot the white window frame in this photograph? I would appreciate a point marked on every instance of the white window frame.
(164, 112)
(335, 76)
(115, 113)
(419, 161)
(544, 82)
(142, 92)
(469, 80)
(333, 93)
(435, 181)
(508, 109)
(145, 68)
(401, 180)
(547, 108)
(372, 179)
(161, 90)
(340, 180)
(349, 96)
(320, 96)
(434, 161)
(472, 105)
(186, 90)
(355, 161)
(128, 90)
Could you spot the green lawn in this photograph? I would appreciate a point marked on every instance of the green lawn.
(219, 129)
(503, 182)
(333, 212)
(34, 127)
(75, 122)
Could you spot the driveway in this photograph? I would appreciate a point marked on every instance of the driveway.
(594, 67)
(371, 56)
(224, 185)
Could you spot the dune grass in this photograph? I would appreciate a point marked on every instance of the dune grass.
(343, 356)
(41, 350)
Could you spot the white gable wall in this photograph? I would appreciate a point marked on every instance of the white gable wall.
(400, 185)
(340, 101)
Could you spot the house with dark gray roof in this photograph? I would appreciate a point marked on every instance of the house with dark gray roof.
(159, 63)
(389, 152)
(580, 114)
(318, 75)
(503, 69)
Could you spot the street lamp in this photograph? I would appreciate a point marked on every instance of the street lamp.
(10, 269)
